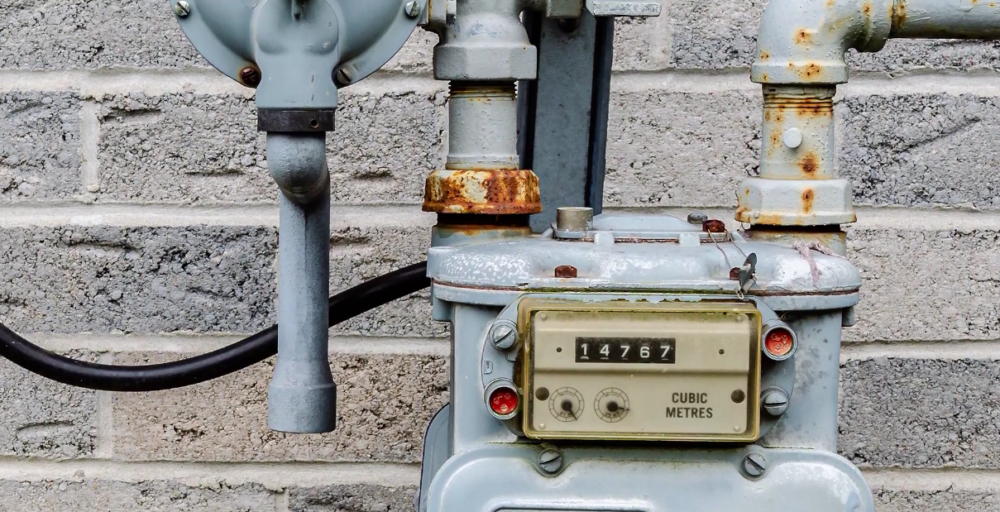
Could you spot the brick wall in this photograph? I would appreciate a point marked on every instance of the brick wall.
(137, 225)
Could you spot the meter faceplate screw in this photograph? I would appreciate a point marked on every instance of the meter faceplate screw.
(550, 461)
(754, 465)
(775, 402)
(503, 334)
(182, 8)
(250, 76)
(412, 9)
(345, 76)
(697, 218)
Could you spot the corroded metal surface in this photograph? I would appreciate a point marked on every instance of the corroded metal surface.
(798, 133)
(957, 19)
(486, 192)
(787, 202)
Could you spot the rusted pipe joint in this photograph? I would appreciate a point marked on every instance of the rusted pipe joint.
(804, 41)
(482, 192)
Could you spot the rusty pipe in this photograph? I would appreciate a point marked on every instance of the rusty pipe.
(934, 19)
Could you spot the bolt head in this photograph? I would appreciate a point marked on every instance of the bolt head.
(792, 138)
(550, 461)
(250, 76)
(345, 76)
(412, 9)
(754, 465)
(182, 8)
(697, 218)
(775, 402)
(503, 334)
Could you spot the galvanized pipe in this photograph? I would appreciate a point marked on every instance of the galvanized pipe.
(302, 397)
(936, 19)
(482, 126)
(800, 60)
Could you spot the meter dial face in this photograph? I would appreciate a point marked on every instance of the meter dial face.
(611, 405)
(566, 404)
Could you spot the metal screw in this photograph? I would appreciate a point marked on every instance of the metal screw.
(503, 334)
(345, 76)
(566, 272)
(550, 461)
(250, 76)
(182, 8)
(754, 465)
(412, 9)
(697, 218)
(792, 138)
(775, 401)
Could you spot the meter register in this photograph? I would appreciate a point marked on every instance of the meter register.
(635, 371)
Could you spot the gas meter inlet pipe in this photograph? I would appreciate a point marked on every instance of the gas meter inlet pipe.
(302, 397)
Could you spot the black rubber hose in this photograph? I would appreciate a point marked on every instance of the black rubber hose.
(250, 351)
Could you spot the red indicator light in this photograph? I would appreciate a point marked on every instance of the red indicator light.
(503, 401)
(779, 342)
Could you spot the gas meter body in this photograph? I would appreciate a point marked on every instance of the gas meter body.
(641, 363)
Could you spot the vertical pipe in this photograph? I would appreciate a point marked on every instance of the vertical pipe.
(798, 133)
(302, 396)
(482, 126)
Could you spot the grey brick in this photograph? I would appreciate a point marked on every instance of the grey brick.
(680, 149)
(642, 44)
(921, 150)
(353, 498)
(206, 149)
(920, 413)
(944, 500)
(723, 34)
(109, 279)
(112, 496)
(201, 279)
(40, 418)
(926, 285)
(384, 404)
(39, 146)
(52, 34)
(417, 54)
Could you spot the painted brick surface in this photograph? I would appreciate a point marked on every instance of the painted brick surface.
(201, 279)
(42, 419)
(39, 146)
(926, 285)
(921, 150)
(384, 404)
(353, 498)
(679, 149)
(944, 500)
(151, 496)
(921, 413)
(111, 279)
(190, 148)
(51, 34)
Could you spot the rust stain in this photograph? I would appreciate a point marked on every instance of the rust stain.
(765, 77)
(802, 36)
(734, 274)
(898, 14)
(807, 200)
(566, 272)
(809, 164)
(867, 9)
(764, 55)
(811, 71)
(481, 191)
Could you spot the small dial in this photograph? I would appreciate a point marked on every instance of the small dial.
(611, 405)
(566, 404)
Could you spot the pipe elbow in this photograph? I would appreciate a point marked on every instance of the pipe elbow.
(297, 162)
(803, 42)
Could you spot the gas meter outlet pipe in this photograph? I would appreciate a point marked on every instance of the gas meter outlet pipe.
(800, 60)
(302, 397)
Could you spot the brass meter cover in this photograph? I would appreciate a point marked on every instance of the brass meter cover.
(670, 371)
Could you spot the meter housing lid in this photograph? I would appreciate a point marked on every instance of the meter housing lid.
(673, 255)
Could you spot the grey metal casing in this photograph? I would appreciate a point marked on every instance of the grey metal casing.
(475, 462)
(298, 46)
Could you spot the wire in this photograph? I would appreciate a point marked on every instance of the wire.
(250, 351)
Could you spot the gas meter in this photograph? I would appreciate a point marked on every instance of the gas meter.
(601, 361)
